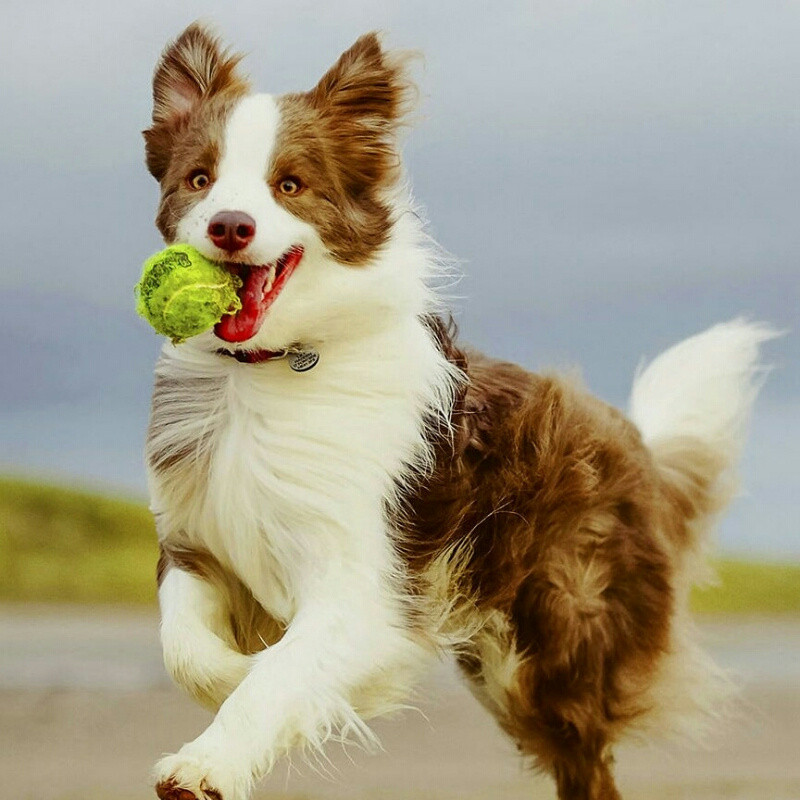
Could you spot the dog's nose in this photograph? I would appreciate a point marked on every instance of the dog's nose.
(231, 230)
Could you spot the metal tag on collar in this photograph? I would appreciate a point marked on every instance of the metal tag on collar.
(303, 360)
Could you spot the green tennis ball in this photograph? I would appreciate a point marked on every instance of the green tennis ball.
(181, 293)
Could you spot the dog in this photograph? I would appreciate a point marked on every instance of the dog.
(343, 492)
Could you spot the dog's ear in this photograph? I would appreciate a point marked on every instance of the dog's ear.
(364, 97)
(192, 68)
(367, 82)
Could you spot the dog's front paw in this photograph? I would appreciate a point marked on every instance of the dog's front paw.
(193, 777)
(169, 791)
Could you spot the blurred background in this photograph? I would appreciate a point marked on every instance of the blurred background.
(611, 177)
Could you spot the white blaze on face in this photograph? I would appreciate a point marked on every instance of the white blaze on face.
(246, 151)
(241, 185)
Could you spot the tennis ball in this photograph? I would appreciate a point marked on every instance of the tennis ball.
(181, 293)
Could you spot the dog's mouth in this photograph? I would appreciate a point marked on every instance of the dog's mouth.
(261, 285)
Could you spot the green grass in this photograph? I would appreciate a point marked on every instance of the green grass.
(747, 587)
(62, 545)
(69, 546)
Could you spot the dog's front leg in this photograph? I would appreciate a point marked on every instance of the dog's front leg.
(298, 692)
(196, 638)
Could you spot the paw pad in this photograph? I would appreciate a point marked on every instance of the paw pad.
(169, 790)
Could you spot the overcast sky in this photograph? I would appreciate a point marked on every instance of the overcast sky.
(613, 176)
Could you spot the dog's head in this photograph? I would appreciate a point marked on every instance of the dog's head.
(295, 193)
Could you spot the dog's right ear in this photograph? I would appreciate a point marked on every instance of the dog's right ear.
(192, 68)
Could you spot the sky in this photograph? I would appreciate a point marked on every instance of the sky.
(610, 177)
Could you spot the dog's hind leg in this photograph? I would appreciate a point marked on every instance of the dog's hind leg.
(571, 740)
(586, 777)
(550, 721)
(570, 667)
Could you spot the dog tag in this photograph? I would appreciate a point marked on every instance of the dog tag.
(303, 361)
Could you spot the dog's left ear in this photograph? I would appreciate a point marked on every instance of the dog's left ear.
(364, 97)
(367, 82)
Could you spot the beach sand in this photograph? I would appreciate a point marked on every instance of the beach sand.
(85, 711)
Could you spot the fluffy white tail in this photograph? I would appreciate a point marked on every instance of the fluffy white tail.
(692, 404)
(702, 387)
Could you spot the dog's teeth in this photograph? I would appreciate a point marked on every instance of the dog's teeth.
(270, 278)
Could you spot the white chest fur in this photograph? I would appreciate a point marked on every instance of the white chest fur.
(277, 472)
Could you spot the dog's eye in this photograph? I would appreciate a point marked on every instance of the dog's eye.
(290, 185)
(198, 180)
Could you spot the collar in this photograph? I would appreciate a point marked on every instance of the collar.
(300, 359)
(253, 356)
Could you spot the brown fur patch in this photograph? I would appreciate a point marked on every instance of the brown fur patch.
(195, 85)
(339, 140)
(566, 529)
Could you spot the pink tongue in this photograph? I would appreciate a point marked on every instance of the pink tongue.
(244, 324)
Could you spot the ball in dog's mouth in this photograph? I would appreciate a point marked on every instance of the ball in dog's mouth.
(261, 285)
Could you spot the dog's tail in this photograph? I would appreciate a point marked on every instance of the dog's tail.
(692, 404)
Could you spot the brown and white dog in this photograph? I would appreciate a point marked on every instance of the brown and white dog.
(342, 492)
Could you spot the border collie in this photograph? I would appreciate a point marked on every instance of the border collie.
(343, 492)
